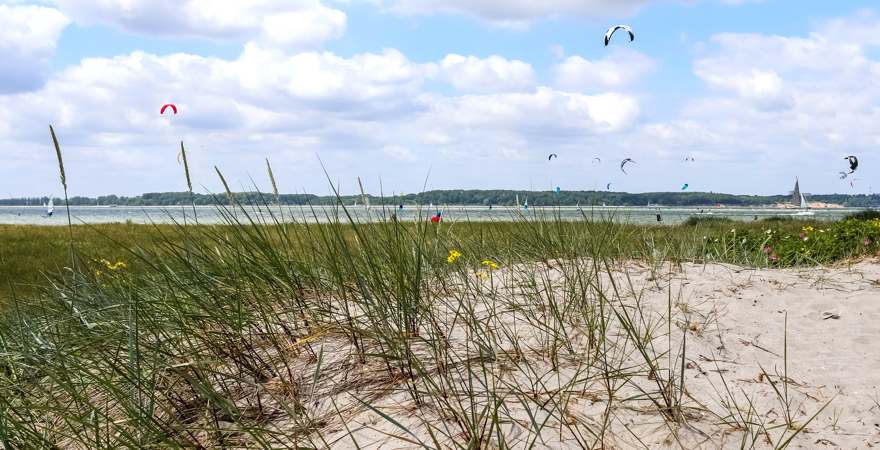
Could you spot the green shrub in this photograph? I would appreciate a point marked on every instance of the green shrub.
(706, 220)
(777, 219)
(868, 214)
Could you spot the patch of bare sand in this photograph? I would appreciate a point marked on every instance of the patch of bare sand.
(549, 392)
(832, 336)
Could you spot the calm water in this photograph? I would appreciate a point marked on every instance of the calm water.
(35, 215)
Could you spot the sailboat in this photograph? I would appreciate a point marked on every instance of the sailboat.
(50, 208)
(798, 200)
(364, 196)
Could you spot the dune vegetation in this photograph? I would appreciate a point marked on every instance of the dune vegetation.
(278, 334)
(268, 333)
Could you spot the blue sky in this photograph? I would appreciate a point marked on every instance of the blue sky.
(476, 93)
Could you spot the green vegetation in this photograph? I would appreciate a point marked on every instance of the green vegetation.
(448, 335)
(864, 215)
(264, 335)
(471, 197)
(29, 253)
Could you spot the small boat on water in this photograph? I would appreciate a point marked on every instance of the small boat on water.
(364, 198)
(798, 200)
(50, 208)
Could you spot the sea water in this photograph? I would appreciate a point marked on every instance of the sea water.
(36, 215)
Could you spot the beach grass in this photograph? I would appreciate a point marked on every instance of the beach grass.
(28, 254)
(266, 334)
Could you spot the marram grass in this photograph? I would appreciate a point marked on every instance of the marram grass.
(275, 334)
(455, 335)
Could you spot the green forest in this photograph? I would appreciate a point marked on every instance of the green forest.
(461, 197)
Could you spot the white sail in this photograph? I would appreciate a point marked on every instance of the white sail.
(50, 208)
(796, 197)
(798, 200)
(364, 197)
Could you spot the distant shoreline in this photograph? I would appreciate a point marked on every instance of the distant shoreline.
(473, 197)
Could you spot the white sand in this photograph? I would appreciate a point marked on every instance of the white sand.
(735, 322)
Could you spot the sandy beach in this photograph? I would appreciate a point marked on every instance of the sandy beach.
(736, 386)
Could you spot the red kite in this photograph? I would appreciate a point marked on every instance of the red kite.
(164, 107)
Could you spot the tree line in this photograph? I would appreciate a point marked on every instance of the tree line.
(459, 197)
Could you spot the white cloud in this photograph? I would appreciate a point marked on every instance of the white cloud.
(361, 113)
(293, 23)
(517, 11)
(764, 88)
(544, 111)
(779, 107)
(28, 37)
(621, 68)
(398, 152)
(492, 74)
(306, 27)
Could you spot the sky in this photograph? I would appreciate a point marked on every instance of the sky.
(439, 94)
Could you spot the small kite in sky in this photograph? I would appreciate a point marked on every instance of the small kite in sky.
(613, 29)
(853, 163)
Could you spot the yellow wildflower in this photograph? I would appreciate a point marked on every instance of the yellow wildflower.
(453, 255)
(482, 275)
(119, 265)
(808, 229)
(490, 264)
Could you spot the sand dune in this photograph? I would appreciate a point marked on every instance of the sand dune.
(734, 323)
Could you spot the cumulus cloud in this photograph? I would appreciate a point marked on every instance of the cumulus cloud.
(621, 68)
(293, 23)
(28, 37)
(519, 13)
(290, 106)
(519, 10)
(492, 74)
(398, 152)
(779, 107)
(545, 111)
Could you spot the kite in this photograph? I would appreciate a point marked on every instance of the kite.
(843, 175)
(684, 187)
(170, 105)
(613, 29)
(597, 160)
(623, 163)
(853, 163)
(608, 186)
(552, 155)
